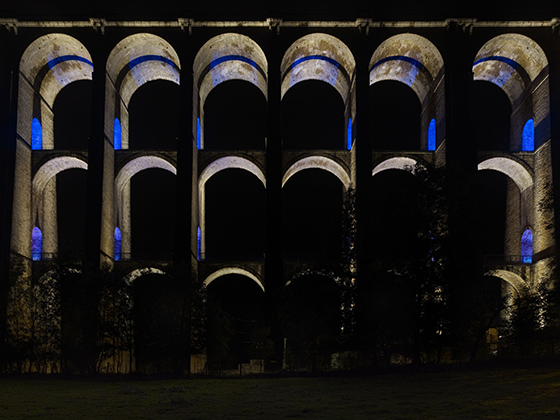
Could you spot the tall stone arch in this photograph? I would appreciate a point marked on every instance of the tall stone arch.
(518, 65)
(135, 60)
(228, 56)
(43, 211)
(218, 165)
(47, 65)
(413, 60)
(323, 57)
(122, 194)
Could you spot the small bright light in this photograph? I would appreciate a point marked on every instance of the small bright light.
(529, 136)
(118, 243)
(527, 247)
(36, 135)
(36, 244)
(432, 135)
(117, 135)
(349, 134)
(198, 134)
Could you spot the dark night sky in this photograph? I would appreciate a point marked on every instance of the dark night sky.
(296, 9)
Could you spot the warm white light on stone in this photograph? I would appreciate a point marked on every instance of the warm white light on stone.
(511, 168)
(232, 270)
(318, 162)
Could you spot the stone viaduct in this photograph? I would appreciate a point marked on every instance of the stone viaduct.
(438, 60)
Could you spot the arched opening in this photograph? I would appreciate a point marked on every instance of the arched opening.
(394, 116)
(236, 330)
(527, 247)
(313, 117)
(117, 135)
(311, 321)
(491, 117)
(72, 116)
(393, 224)
(235, 117)
(36, 244)
(528, 142)
(159, 342)
(235, 215)
(153, 214)
(491, 192)
(36, 135)
(311, 214)
(71, 189)
(154, 116)
(118, 244)
(432, 135)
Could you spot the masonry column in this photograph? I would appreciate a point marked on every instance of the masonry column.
(8, 104)
(464, 266)
(185, 224)
(100, 182)
(8, 119)
(273, 247)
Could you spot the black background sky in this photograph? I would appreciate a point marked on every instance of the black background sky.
(297, 9)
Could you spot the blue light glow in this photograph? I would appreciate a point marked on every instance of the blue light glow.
(64, 58)
(527, 247)
(409, 60)
(432, 135)
(36, 135)
(529, 136)
(198, 244)
(198, 133)
(117, 135)
(149, 57)
(118, 242)
(36, 244)
(349, 135)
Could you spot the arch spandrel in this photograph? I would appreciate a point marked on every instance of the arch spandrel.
(61, 53)
(233, 270)
(49, 64)
(318, 56)
(514, 170)
(141, 58)
(401, 163)
(53, 167)
(407, 58)
(230, 162)
(139, 164)
(318, 162)
(229, 56)
(510, 61)
(139, 272)
(518, 283)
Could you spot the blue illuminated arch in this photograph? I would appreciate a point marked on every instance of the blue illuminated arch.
(432, 135)
(118, 244)
(36, 244)
(529, 136)
(198, 244)
(117, 136)
(349, 134)
(527, 247)
(198, 134)
(36, 135)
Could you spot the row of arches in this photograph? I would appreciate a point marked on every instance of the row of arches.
(511, 62)
(514, 170)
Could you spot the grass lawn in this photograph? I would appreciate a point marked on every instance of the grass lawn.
(504, 393)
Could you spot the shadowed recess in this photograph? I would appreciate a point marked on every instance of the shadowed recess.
(313, 117)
